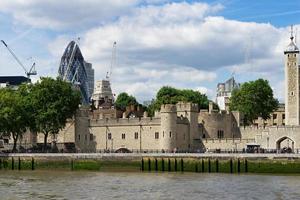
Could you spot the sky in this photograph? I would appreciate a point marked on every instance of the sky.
(183, 44)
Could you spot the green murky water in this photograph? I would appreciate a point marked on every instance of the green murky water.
(98, 185)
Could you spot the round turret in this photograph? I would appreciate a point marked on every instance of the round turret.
(168, 116)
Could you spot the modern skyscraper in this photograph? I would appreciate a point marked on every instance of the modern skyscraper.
(75, 70)
(91, 76)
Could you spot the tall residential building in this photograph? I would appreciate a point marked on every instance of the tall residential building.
(292, 95)
(224, 92)
(72, 69)
(91, 76)
(103, 96)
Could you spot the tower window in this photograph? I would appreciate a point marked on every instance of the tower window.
(220, 134)
(136, 135)
(109, 136)
(123, 136)
(292, 93)
(156, 135)
(170, 134)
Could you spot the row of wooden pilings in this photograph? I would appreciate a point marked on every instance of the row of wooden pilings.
(4, 164)
(179, 165)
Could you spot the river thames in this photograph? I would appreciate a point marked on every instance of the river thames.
(100, 185)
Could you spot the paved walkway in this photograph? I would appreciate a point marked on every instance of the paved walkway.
(157, 155)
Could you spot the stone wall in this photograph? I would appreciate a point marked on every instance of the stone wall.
(67, 135)
(213, 122)
(228, 144)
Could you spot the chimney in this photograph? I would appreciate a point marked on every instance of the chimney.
(210, 107)
(132, 107)
(227, 109)
(145, 114)
(156, 113)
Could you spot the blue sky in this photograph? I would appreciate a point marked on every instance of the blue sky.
(185, 44)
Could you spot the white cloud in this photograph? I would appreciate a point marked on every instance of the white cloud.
(159, 43)
(162, 45)
(59, 14)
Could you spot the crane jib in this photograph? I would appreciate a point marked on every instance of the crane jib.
(32, 70)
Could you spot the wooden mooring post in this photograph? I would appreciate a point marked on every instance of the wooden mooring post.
(19, 163)
(231, 166)
(32, 164)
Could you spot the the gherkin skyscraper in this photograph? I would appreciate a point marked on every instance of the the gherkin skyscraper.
(72, 69)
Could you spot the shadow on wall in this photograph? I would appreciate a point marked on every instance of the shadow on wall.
(219, 125)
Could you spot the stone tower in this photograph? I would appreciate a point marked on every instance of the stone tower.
(292, 93)
(190, 111)
(168, 116)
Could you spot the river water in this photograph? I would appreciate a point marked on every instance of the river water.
(100, 185)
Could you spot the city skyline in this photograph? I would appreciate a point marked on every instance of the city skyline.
(184, 44)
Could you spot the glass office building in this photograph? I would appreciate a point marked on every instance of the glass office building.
(72, 69)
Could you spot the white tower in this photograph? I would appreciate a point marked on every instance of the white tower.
(292, 94)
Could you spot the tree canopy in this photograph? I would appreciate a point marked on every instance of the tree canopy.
(53, 102)
(124, 100)
(170, 95)
(254, 99)
(41, 107)
(14, 115)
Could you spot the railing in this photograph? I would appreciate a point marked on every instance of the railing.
(215, 140)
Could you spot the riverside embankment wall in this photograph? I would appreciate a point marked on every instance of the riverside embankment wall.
(134, 156)
(216, 163)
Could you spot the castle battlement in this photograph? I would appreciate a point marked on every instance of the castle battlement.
(213, 112)
(166, 108)
(186, 106)
(125, 121)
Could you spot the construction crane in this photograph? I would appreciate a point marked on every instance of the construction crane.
(113, 60)
(32, 70)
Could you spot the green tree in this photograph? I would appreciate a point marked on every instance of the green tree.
(15, 118)
(124, 100)
(254, 99)
(170, 95)
(54, 101)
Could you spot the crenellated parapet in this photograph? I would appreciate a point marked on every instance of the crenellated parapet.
(168, 108)
(187, 106)
(125, 121)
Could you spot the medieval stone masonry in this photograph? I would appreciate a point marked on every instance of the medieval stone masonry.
(181, 127)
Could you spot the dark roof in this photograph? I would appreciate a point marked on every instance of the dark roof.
(14, 80)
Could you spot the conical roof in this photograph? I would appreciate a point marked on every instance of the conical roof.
(292, 47)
